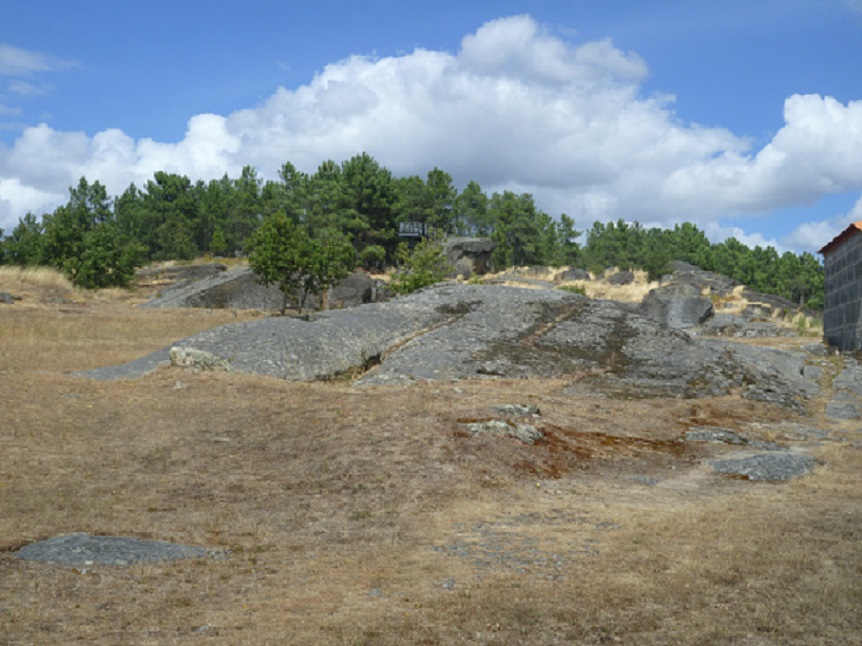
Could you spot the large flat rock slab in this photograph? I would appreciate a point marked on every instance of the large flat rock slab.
(456, 331)
(85, 549)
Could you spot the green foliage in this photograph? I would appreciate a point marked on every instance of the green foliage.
(563, 243)
(83, 240)
(218, 244)
(629, 246)
(174, 230)
(108, 259)
(373, 257)
(424, 265)
(25, 245)
(277, 250)
(520, 232)
(574, 289)
(471, 212)
(330, 258)
(360, 203)
(284, 254)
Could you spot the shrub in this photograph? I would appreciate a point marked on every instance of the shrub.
(424, 266)
(574, 289)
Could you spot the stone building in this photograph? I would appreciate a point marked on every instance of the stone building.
(842, 305)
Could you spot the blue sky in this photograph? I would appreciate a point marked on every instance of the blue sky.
(742, 116)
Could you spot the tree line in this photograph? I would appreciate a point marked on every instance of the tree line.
(98, 240)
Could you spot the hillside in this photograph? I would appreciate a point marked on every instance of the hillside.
(571, 505)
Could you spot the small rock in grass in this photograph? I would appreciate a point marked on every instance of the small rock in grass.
(773, 467)
(526, 433)
(87, 550)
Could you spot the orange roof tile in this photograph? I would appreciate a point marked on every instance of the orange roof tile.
(841, 237)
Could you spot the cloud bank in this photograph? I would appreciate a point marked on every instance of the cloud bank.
(517, 107)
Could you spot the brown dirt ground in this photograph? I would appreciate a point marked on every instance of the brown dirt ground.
(370, 516)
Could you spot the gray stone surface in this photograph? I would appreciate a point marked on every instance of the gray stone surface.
(850, 379)
(812, 373)
(455, 331)
(7, 298)
(775, 466)
(515, 410)
(714, 434)
(842, 410)
(526, 433)
(572, 274)
(86, 550)
(775, 376)
(185, 357)
(756, 320)
(239, 289)
(621, 278)
(677, 306)
(727, 436)
(846, 401)
(469, 256)
(688, 274)
(328, 344)
(235, 288)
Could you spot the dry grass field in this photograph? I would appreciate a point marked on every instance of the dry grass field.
(369, 516)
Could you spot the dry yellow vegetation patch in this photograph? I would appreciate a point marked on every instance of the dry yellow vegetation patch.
(370, 516)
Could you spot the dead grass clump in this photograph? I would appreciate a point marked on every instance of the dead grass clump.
(634, 292)
(363, 516)
(13, 277)
(206, 259)
(98, 332)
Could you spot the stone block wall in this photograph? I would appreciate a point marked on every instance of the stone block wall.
(842, 323)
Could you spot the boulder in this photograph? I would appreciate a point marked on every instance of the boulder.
(469, 256)
(678, 306)
(356, 289)
(685, 273)
(572, 274)
(526, 433)
(7, 298)
(621, 278)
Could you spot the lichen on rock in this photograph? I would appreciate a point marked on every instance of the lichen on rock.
(187, 357)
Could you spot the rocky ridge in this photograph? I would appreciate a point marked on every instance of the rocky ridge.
(454, 331)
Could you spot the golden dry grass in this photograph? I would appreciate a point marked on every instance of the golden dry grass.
(13, 277)
(369, 516)
(634, 292)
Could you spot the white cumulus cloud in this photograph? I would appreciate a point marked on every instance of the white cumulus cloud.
(517, 107)
(817, 152)
(813, 235)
